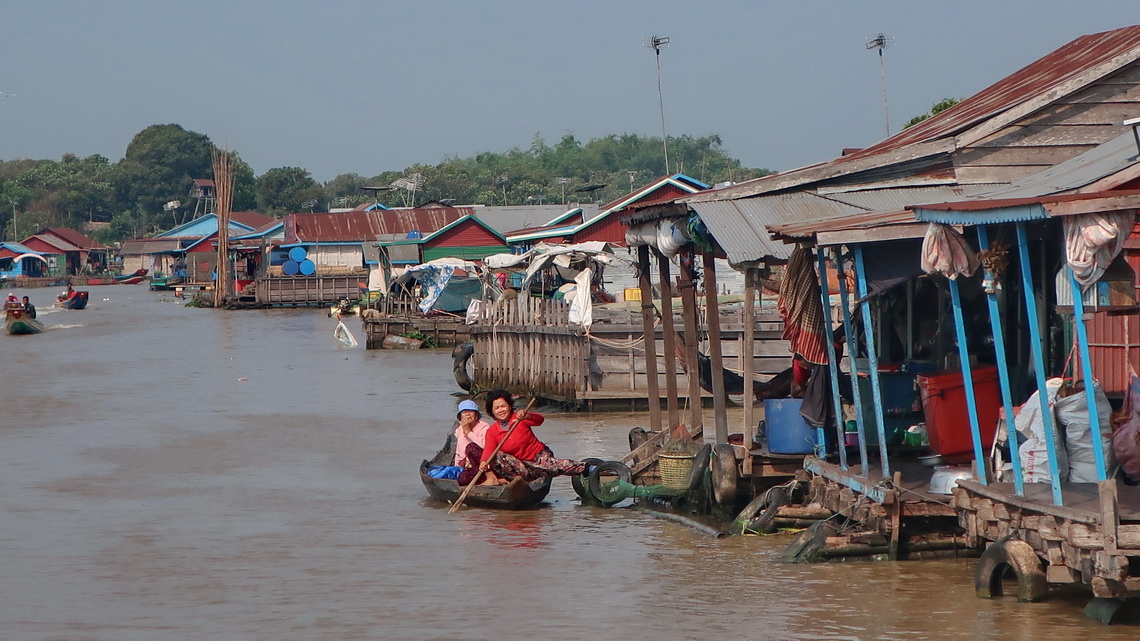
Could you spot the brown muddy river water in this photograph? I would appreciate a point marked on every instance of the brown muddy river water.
(175, 474)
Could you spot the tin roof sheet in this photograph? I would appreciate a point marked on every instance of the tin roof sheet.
(367, 225)
(1059, 73)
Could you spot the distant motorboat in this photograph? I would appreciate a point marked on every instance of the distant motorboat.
(77, 300)
(17, 320)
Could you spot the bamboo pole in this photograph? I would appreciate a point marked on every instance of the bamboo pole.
(223, 193)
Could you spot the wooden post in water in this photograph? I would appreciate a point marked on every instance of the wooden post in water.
(715, 348)
(653, 392)
(669, 335)
(692, 339)
(747, 349)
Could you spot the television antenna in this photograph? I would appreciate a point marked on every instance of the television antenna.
(881, 42)
(632, 174)
(309, 204)
(655, 43)
(409, 184)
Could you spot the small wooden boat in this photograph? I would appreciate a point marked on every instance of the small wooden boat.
(516, 495)
(77, 300)
(132, 279)
(17, 321)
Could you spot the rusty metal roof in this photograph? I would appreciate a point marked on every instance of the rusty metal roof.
(741, 227)
(1059, 73)
(73, 237)
(368, 225)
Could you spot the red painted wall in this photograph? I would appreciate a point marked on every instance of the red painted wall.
(467, 234)
(607, 230)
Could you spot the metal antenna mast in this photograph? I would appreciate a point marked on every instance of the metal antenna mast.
(880, 42)
(655, 43)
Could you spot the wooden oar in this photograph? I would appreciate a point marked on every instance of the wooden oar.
(479, 474)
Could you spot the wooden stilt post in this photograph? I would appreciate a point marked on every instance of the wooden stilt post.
(653, 392)
(715, 356)
(692, 340)
(747, 351)
(669, 335)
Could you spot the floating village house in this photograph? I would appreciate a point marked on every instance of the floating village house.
(186, 250)
(586, 357)
(80, 253)
(1020, 175)
(20, 261)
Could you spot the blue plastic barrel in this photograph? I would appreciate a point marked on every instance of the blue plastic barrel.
(297, 254)
(788, 432)
(307, 267)
(290, 268)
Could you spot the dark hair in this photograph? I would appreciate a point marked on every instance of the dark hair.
(497, 394)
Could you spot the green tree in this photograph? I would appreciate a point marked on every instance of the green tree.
(160, 164)
(282, 190)
(935, 109)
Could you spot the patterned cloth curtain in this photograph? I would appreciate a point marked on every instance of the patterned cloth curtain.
(802, 309)
(1093, 241)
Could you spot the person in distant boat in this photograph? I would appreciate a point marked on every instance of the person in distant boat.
(522, 455)
(470, 435)
(67, 293)
(12, 299)
(29, 308)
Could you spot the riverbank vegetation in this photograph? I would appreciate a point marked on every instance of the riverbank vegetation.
(135, 196)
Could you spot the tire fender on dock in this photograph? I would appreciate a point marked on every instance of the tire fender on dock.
(1007, 555)
(460, 355)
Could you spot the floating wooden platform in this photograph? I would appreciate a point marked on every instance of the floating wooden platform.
(1093, 540)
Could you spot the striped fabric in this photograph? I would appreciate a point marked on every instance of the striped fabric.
(800, 306)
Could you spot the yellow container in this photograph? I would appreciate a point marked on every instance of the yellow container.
(632, 293)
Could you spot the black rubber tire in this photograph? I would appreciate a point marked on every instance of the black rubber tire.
(765, 522)
(637, 436)
(1006, 555)
(460, 355)
(606, 495)
(724, 474)
(700, 466)
(579, 481)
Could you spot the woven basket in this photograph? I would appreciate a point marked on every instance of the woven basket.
(674, 470)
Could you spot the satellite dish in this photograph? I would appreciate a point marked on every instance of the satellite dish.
(172, 205)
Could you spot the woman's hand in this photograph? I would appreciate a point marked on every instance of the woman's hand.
(484, 466)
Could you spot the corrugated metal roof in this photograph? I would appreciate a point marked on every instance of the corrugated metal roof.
(74, 237)
(55, 241)
(1059, 73)
(742, 226)
(367, 225)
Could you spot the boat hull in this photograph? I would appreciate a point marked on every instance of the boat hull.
(516, 495)
(78, 300)
(17, 323)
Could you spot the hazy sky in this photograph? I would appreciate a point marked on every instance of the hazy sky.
(371, 86)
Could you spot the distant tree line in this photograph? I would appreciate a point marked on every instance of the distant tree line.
(162, 161)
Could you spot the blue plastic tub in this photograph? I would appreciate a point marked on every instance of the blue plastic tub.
(788, 432)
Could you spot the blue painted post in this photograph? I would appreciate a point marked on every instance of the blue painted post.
(1038, 361)
(872, 359)
(968, 382)
(832, 362)
(1003, 375)
(860, 422)
(1086, 372)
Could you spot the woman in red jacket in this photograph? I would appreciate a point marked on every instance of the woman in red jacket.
(522, 455)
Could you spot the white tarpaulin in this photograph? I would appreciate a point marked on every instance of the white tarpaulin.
(581, 305)
(668, 236)
(565, 258)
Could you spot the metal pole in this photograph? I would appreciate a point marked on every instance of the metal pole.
(1087, 373)
(872, 359)
(1003, 376)
(1038, 361)
(832, 362)
(968, 382)
(852, 353)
